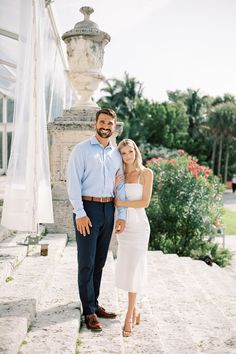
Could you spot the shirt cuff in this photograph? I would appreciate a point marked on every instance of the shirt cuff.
(122, 213)
(80, 214)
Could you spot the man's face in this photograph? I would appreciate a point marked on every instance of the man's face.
(105, 126)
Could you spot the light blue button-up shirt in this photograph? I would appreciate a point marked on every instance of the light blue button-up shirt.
(92, 170)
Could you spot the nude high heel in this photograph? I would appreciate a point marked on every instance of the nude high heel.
(136, 318)
(127, 329)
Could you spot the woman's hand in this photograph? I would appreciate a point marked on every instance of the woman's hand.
(120, 225)
(118, 180)
(117, 202)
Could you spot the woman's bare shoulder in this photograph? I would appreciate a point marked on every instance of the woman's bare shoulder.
(147, 172)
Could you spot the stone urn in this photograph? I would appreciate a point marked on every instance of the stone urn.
(85, 49)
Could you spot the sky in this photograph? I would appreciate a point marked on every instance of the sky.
(165, 44)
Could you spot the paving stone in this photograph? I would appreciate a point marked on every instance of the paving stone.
(11, 254)
(209, 328)
(55, 329)
(4, 233)
(145, 336)
(28, 283)
(187, 307)
(15, 317)
(110, 339)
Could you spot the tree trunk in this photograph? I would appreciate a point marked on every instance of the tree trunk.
(213, 156)
(226, 160)
(220, 157)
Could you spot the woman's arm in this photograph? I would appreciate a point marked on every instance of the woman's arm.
(147, 192)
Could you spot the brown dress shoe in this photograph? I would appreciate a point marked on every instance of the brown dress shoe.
(101, 312)
(93, 323)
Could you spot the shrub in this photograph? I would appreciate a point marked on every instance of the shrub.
(186, 203)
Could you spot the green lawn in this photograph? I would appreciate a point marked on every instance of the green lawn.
(229, 221)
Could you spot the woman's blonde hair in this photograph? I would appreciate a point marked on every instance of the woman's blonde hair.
(138, 162)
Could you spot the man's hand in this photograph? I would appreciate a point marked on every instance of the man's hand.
(120, 225)
(83, 225)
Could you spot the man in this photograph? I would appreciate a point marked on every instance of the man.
(93, 166)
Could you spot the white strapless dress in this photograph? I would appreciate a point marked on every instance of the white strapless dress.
(133, 244)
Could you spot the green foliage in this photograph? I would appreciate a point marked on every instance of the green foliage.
(78, 343)
(184, 121)
(8, 279)
(198, 142)
(145, 121)
(219, 255)
(186, 202)
(223, 119)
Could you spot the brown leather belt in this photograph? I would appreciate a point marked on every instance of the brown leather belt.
(100, 200)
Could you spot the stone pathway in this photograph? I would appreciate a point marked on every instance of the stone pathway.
(230, 241)
(230, 200)
(187, 308)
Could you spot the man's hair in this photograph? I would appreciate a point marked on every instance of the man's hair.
(107, 111)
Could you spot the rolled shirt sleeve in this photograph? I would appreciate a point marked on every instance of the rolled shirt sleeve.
(120, 192)
(74, 181)
(122, 211)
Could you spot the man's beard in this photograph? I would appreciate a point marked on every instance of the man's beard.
(104, 133)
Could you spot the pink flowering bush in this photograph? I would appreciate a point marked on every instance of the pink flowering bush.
(186, 202)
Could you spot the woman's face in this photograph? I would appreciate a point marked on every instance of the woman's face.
(128, 154)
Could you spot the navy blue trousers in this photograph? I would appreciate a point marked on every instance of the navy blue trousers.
(92, 252)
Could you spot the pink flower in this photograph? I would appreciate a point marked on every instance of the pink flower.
(172, 161)
(180, 152)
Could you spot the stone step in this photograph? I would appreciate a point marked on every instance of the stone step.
(209, 328)
(20, 296)
(172, 328)
(4, 233)
(56, 327)
(110, 339)
(221, 280)
(181, 309)
(146, 336)
(11, 254)
(224, 284)
(223, 297)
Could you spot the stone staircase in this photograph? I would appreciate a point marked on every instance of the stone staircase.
(187, 307)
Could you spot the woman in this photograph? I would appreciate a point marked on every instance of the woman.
(133, 241)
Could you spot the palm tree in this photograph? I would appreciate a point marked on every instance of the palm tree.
(122, 95)
(223, 123)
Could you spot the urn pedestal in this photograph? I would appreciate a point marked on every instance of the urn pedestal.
(85, 49)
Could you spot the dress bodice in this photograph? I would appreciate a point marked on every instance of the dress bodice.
(134, 191)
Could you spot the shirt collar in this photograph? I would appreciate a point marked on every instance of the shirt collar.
(94, 141)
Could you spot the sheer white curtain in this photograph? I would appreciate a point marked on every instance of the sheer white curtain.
(28, 198)
(56, 80)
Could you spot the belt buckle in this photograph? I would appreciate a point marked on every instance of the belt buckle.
(101, 200)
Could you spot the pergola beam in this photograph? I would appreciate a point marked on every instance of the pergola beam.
(9, 34)
(7, 63)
